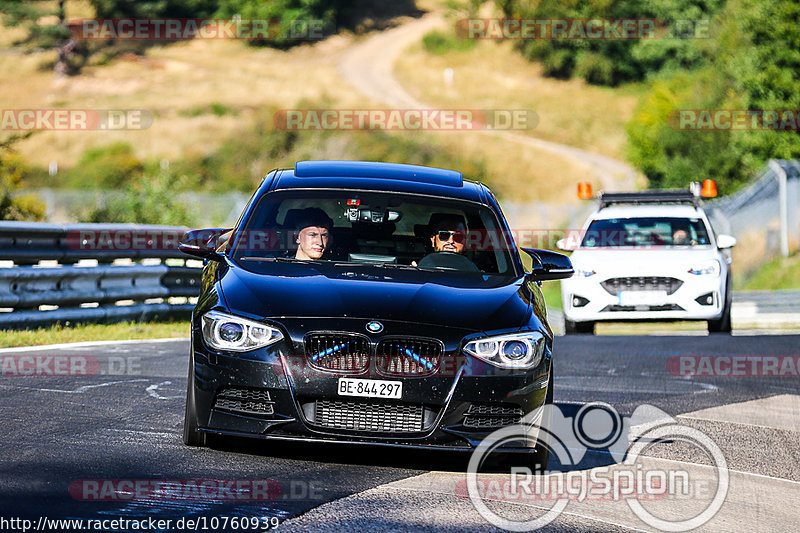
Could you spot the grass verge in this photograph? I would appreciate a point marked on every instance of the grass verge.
(552, 294)
(94, 332)
(780, 273)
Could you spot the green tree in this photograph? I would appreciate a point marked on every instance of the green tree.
(154, 8)
(109, 167)
(614, 61)
(13, 170)
(152, 200)
(753, 63)
(29, 14)
(291, 15)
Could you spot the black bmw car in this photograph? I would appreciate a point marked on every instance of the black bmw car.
(369, 303)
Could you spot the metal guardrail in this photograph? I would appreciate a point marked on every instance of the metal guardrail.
(34, 294)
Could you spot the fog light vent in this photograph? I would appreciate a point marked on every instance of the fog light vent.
(579, 301)
(705, 299)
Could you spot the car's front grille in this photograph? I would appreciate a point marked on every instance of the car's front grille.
(369, 416)
(621, 308)
(641, 283)
(408, 356)
(485, 416)
(350, 353)
(250, 401)
(340, 352)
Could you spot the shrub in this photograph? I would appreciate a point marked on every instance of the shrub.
(439, 43)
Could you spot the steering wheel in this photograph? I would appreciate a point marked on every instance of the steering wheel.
(447, 261)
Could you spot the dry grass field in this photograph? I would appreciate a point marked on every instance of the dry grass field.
(182, 83)
(492, 75)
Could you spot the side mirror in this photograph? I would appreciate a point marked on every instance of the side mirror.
(725, 241)
(566, 245)
(549, 265)
(203, 243)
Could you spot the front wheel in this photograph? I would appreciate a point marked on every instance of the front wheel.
(723, 323)
(191, 435)
(542, 454)
(571, 327)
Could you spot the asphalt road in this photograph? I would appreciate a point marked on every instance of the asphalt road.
(67, 439)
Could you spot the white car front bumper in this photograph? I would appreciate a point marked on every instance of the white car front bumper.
(663, 296)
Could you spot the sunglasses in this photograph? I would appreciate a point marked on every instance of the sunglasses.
(458, 236)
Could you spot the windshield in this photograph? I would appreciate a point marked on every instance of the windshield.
(388, 230)
(645, 232)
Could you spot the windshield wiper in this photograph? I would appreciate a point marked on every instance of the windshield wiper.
(279, 259)
(377, 265)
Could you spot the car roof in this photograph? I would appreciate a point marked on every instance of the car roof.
(649, 210)
(375, 176)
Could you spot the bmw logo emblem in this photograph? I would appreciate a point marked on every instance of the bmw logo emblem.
(374, 327)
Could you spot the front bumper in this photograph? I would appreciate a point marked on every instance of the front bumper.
(287, 399)
(697, 298)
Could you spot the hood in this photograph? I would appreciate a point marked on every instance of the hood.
(667, 261)
(375, 297)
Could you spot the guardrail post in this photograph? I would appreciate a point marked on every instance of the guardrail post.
(783, 201)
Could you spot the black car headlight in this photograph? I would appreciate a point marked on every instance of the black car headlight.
(235, 334)
(522, 350)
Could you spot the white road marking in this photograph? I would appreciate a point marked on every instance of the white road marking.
(160, 434)
(776, 412)
(152, 390)
(79, 390)
(86, 344)
(524, 504)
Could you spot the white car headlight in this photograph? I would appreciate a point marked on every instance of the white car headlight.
(522, 350)
(711, 268)
(235, 334)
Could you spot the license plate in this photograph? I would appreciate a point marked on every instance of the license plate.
(642, 297)
(370, 388)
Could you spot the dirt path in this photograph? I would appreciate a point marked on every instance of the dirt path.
(368, 66)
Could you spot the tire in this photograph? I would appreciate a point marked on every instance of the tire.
(191, 435)
(723, 323)
(570, 327)
(541, 456)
